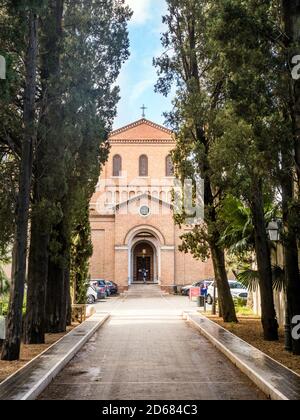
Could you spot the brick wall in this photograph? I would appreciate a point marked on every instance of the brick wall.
(111, 226)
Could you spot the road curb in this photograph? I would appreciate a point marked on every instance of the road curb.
(17, 387)
(273, 390)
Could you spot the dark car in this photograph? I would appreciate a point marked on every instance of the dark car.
(101, 292)
(100, 285)
(113, 287)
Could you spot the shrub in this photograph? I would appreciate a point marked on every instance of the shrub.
(240, 302)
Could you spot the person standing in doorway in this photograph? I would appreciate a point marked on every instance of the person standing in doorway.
(145, 274)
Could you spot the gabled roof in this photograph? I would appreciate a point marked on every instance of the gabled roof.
(142, 196)
(142, 130)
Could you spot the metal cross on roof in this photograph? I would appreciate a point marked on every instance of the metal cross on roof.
(144, 109)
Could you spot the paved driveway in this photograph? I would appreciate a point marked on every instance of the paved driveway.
(146, 351)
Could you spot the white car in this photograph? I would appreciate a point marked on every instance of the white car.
(92, 295)
(238, 291)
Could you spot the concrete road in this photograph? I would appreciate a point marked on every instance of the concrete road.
(147, 352)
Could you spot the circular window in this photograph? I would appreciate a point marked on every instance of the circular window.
(144, 211)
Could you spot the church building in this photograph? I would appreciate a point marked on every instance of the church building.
(134, 235)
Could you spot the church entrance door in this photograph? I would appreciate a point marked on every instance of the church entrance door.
(143, 260)
(143, 263)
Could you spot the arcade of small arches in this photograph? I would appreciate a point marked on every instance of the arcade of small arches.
(114, 195)
(143, 166)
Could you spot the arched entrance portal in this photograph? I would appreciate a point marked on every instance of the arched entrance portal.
(144, 252)
(143, 262)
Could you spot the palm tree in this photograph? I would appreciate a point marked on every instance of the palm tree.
(238, 230)
(238, 239)
(250, 279)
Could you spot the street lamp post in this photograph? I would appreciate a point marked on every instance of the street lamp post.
(214, 306)
(274, 231)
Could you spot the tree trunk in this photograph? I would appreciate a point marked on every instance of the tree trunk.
(58, 285)
(264, 265)
(56, 314)
(68, 296)
(291, 16)
(11, 347)
(293, 283)
(290, 245)
(34, 330)
(226, 304)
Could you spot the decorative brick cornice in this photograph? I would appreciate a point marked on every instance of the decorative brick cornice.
(142, 141)
(140, 122)
(94, 216)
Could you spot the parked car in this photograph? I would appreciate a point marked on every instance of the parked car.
(238, 291)
(102, 287)
(185, 291)
(113, 287)
(92, 295)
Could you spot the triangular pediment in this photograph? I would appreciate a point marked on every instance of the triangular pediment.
(142, 130)
(140, 197)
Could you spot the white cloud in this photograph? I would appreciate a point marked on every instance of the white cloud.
(141, 10)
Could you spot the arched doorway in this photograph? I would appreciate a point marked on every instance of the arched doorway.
(150, 240)
(143, 259)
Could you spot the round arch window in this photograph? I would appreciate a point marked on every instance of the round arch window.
(144, 211)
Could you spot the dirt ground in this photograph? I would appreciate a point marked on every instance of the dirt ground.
(28, 353)
(250, 330)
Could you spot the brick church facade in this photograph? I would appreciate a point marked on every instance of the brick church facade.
(133, 232)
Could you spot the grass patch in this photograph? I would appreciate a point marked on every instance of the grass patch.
(244, 311)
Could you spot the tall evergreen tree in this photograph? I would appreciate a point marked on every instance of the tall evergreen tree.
(199, 93)
(47, 184)
(290, 153)
(248, 151)
(255, 57)
(98, 45)
(12, 47)
(11, 347)
(291, 18)
(80, 64)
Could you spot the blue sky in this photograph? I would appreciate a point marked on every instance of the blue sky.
(138, 76)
